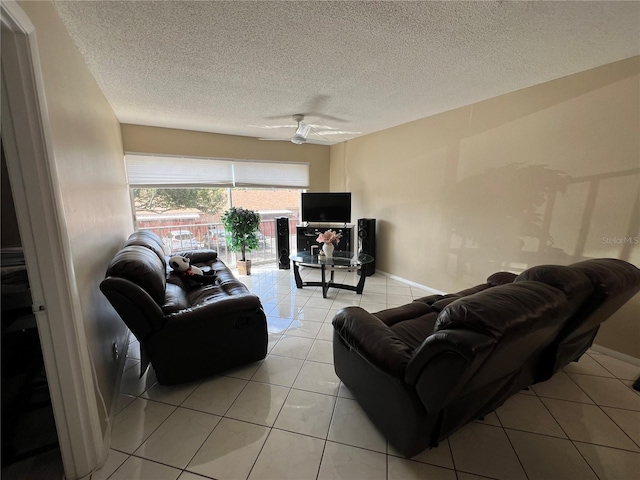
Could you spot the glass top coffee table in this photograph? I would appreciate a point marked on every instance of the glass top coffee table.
(340, 260)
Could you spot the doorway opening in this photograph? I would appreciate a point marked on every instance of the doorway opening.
(29, 436)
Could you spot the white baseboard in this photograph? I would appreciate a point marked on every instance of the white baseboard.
(617, 355)
(411, 284)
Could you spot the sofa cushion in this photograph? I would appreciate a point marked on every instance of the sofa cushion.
(504, 311)
(432, 300)
(429, 299)
(177, 279)
(441, 304)
(141, 266)
(411, 323)
(391, 316)
(501, 278)
(438, 302)
(200, 258)
(472, 290)
(175, 299)
(207, 293)
(414, 331)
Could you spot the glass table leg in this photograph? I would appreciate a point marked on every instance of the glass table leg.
(296, 275)
(325, 285)
(360, 285)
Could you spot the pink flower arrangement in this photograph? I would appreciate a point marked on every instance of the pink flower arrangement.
(329, 237)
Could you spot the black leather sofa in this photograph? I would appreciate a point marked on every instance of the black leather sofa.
(185, 331)
(423, 370)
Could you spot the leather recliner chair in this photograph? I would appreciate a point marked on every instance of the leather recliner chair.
(186, 332)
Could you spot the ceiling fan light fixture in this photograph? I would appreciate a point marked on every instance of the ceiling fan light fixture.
(298, 139)
(302, 132)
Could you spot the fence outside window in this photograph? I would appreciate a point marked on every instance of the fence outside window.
(187, 237)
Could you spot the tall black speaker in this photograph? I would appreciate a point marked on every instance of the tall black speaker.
(282, 243)
(367, 243)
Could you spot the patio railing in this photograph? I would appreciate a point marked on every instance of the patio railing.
(212, 236)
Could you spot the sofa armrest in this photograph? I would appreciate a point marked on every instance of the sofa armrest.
(443, 364)
(465, 344)
(372, 339)
(135, 306)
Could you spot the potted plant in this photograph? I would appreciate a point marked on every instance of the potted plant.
(241, 226)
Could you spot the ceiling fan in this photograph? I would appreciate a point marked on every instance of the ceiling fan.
(302, 132)
(304, 129)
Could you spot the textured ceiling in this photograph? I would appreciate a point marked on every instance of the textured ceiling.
(226, 67)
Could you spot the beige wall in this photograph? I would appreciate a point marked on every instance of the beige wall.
(548, 174)
(89, 162)
(167, 141)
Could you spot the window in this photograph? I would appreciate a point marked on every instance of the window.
(182, 199)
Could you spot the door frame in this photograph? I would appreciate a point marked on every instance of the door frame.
(25, 130)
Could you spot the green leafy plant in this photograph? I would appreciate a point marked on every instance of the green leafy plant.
(241, 227)
(160, 200)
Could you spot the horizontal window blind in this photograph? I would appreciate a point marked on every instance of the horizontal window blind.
(159, 171)
(271, 174)
(166, 171)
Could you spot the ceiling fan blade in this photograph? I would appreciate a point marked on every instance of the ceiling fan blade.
(336, 132)
(313, 141)
(327, 117)
(313, 113)
(302, 131)
(269, 127)
(278, 117)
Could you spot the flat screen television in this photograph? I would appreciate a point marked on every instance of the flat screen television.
(326, 207)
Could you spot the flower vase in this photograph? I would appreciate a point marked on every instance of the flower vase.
(327, 248)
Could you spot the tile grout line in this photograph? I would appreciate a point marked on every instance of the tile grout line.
(515, 451)
(589, 443)
(268, 436)
(174, 410)
(336, 397)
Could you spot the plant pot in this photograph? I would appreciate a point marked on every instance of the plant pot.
(244, 267)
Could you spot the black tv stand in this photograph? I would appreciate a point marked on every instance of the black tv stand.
(306, 236)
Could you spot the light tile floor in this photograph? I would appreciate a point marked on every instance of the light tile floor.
(289, 416)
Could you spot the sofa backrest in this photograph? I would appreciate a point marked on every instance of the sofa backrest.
(576, 285)
(140, 265)
(504, 312)
(135, 286)
(148, 239)
(438, 302)
(596, 288)
(614, 283)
